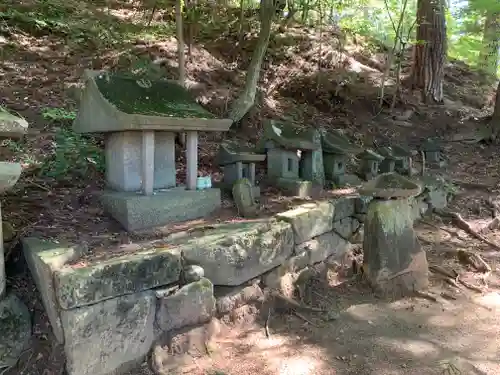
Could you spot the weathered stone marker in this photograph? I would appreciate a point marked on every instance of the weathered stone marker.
(244, 198)
(394, 262)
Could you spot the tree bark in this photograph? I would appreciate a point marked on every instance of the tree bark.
(495, 119)
(181, 56)
(488, 58)
(429, 53)
(246, 100)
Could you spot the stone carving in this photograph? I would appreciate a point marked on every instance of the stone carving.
(404, 162)
(140, 119)
(336, 149)
(370, 162)
(244, 198)
(239, 162)
(292, 156)
(394, 262)
(15, 319)
(389, 163)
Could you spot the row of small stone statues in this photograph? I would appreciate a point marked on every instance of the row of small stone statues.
(297, 159)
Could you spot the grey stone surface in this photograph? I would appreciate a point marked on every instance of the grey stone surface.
(344, 207)
(12, 126)
(346, 227)
(394, 262)
(15, 328)
(321, 247)
(311, 167)
(309, 220)
(232, 254)
(43, 258)
(192, 304)
(192, 273)
(282, 164)
(361, 204)
(109, 336)
(437, 198)
(124, 161)
(136, 212)
(244, 199)
(419, 206)
(127, 274)
(9, 174)
(230, 298)
(352, 180)
(294, 187)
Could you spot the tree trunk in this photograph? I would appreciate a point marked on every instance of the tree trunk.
(181, 57)
(246, 100)
(488, 58)
(429, 52)
(495, 120)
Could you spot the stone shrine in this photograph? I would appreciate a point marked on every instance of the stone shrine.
(140, 119)
(336, 150)
(292, 158)
(238, 162)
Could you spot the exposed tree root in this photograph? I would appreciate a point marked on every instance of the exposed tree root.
(475, 260)
(460, 223)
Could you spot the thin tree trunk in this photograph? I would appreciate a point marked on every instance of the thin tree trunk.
(181, 56)
(495, 120)
(488, 58)
(429, 52)
(246, 100)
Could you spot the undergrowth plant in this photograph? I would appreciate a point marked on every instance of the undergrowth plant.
(74, 155)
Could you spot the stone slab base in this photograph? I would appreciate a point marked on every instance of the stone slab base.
(293, 187)
(136, 212)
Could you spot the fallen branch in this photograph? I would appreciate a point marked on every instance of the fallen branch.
(469, 286)
(295, 305)
(425, 295)
(297, 314)
(444, 272)
(460, 223)
(474, 260)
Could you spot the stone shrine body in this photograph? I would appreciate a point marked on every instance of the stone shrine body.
(140, 119)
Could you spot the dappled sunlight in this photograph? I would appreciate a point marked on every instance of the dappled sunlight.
(410, 347)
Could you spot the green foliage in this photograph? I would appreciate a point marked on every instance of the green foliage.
(58, 114)
(75, 155)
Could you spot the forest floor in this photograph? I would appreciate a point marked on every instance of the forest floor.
(316, 79)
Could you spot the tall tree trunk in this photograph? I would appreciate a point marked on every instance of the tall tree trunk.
(488, 58)
(429, 53)
(246, 100)
(181, 56)
(495, 120)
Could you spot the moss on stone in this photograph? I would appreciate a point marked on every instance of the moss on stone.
(160, 98)
(394, 215)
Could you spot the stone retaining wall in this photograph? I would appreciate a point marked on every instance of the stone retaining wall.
(109, 314)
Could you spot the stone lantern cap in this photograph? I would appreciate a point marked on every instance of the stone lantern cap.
(430, 145)
(389, 154)
(113, 102)
(390, 185)
(335, 142)
(287, 136)
(231, 152)
(371, 155)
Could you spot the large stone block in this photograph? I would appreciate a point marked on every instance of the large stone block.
(322, 247)
(136, 211)
(15, 327)
(192, 304)
(346, 227)
(80, 286)
(44, 258)
(394, 262)
(124, 160)
(110, 336)
(232, 254)
(309, 220)
(344, 207)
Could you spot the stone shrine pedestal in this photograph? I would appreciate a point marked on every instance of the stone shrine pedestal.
(394, 262)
